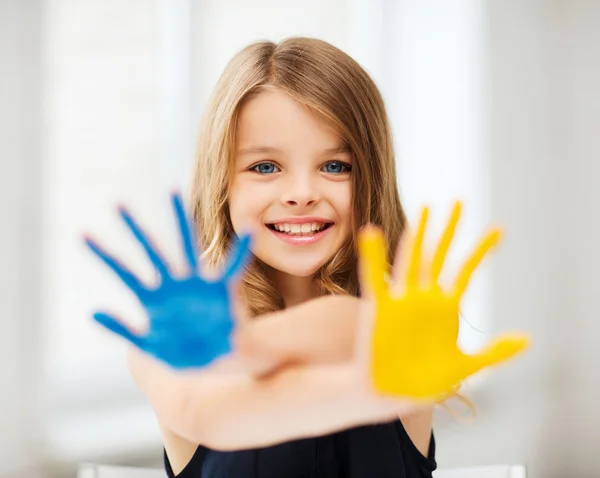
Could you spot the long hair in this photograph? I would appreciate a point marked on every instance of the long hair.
(335, 87)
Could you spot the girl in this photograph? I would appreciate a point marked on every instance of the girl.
(295, 146)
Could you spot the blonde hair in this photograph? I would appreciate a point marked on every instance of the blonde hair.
(334, 86)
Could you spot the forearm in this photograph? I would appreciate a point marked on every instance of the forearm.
(319, 331)
(295, 403)
(322, 330)
(231, 412)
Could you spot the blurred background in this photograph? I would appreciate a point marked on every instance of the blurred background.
(494, 102)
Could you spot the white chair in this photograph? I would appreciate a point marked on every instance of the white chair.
(497, 471)
(106, 471)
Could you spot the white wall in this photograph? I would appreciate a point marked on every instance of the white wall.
(545, 115)
(542, 114)
(220, 29)
(393, 42)
(20, 222)
(89, 110)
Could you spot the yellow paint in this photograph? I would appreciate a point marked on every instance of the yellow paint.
(414, 349)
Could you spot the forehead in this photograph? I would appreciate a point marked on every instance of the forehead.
(273, 118)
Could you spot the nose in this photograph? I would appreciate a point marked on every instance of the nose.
(301, 192)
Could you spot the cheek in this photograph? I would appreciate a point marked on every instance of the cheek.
(344, 202)
(247, 201)
(345, 210)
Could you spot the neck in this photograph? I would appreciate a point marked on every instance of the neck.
(293, 289)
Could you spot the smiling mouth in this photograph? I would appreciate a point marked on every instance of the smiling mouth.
(300, 230)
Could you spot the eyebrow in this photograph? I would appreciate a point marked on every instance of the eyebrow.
(272, 150)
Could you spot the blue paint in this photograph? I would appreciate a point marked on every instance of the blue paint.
(190, 318)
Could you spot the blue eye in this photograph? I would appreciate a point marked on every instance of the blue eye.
(337, 167)
(266, 168)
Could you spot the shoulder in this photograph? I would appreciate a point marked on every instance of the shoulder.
(418, 427)
(182, 458)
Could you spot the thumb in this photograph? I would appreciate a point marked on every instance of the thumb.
(118, 327)
(500, 350)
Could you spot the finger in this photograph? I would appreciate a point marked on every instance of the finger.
(188, 236)
(401, 261)
(464, 276)
(498, 351)
(414, 267)
(372, 260)
(240, 254)
(440, 254)
(123, 272)
(117, 327)
(155, 257)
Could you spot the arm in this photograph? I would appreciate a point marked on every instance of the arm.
(321, 330)
(228, 412)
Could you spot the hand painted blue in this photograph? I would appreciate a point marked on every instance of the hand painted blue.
(190, 317)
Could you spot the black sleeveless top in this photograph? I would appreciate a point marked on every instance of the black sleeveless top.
(373, 451)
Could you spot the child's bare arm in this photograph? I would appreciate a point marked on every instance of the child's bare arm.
(227, 412)
(322, 330)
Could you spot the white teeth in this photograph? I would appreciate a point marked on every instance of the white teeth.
(306, 229)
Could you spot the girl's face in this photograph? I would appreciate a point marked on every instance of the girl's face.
(291, 185)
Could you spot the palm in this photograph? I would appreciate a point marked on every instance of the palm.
(414, 346)
(189, 318)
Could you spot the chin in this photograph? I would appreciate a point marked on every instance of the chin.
(298, 268)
